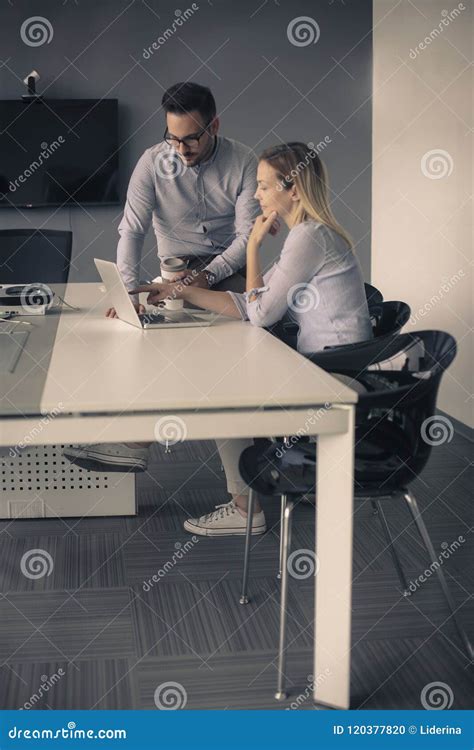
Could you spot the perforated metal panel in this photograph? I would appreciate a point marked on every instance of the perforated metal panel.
(39, 482)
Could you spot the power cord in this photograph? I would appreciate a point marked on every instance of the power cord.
(63, 301)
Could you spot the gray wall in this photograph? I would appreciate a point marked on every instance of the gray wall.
(267, 90)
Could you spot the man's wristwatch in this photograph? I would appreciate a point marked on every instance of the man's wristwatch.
(210, 278)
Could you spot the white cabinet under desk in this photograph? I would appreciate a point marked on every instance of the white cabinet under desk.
(38, 482)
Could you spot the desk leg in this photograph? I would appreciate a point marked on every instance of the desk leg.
(333, 582)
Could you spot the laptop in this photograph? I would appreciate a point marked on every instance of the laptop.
(121, 300)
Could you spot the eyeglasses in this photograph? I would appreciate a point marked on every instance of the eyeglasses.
(191, 141)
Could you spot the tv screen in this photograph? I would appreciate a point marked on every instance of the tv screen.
(58, 151)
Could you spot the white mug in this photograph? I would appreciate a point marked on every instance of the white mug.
(170, 304)
(169, 269)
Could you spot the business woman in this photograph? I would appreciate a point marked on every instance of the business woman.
(316, 282)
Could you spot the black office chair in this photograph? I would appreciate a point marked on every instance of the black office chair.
(394, 424)
(393, 316)
(35, 256)
(347, 360)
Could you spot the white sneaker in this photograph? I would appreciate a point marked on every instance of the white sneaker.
(225, 521)
(108, 457)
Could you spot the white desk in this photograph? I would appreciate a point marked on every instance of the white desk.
(113, 382)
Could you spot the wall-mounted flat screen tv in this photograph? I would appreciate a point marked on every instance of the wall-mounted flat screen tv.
(55, 152)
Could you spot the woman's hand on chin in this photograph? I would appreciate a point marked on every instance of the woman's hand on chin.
(264, 225)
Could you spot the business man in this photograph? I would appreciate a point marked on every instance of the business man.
(197, 188)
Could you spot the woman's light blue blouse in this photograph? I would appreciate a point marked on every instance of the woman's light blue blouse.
(317, 283)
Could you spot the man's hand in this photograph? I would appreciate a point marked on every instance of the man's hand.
(191, 278)
(111, 312)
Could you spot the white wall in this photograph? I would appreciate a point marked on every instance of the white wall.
(422, 226)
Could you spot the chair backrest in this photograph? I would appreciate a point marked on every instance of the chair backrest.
(34, 256)
(374, 303)
(374, 296)
(393, 316)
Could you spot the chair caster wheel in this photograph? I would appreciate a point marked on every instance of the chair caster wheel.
(281, 696)
(279, 576)
(244, 600)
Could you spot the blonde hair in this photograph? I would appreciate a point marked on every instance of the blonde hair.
(297, 164)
